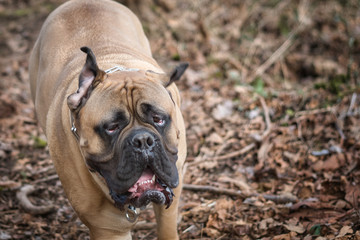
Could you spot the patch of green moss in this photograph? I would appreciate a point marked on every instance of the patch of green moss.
(39, 143)
(176, 57)
(259, 86)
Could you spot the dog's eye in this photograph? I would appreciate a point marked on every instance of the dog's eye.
(111, 128)
(158, 121)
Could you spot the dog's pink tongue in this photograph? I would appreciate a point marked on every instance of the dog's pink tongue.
(144, 180)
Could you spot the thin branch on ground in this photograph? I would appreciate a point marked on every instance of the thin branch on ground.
(203, 188)
(306, 113)
(352, 104)
(46, 179)
(143, 225)
(266, 112)
(304, 21)
(22, 196)
(339, 123)
(339, 120)
(264, 135)
(244, 150)
(10, 184)
(236, 193)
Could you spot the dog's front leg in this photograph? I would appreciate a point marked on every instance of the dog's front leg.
(167, 219)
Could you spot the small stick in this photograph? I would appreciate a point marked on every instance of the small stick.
(10, 184)
(301, 114)
(22, 196)
(49, 178)
(303, 23)
(235, 153)
(257, 137)
(143, 225)
(267, 117)
(212, 189)
(244, 150)
(352, 104)
(275, 198)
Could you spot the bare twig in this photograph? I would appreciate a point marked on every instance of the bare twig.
(352, 167)
(263, 139)
(339, 123)
(10, 184)
(47, 170)
(22, 196)
(303, 22)
(275, 198)
(262, 153)
(48, 178)
(339, 120)
(276, 55)
(244, 150)
(280, 199)
(230, 192)
(237, 182)
(143, 225)
(260, 138)
(266, 112)
(302, 114)
(352, 104)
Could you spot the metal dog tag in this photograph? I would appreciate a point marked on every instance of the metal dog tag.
(131, 213)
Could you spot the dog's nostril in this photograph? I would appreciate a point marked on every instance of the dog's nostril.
(150, 141)
(137, 143)
(143, 141)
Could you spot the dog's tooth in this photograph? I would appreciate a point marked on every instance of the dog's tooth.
(153, 178)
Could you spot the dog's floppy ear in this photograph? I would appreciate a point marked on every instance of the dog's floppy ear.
(177, 73)
(89, 77)
(166, 79)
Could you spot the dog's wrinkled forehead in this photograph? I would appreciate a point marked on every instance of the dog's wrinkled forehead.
(139, 87)
(127, 91)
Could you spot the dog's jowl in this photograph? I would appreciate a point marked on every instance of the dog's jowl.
(111, 116)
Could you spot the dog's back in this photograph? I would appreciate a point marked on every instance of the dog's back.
(71, 26)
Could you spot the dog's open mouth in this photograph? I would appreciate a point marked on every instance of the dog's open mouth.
(148, 188)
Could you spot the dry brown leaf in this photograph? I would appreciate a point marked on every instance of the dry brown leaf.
(237, 182)
(330, 164)
(211, 232)
(286, 236)
(215, 138)
(344, 231)
(295, 228)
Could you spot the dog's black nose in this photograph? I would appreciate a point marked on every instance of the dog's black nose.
(143, 141)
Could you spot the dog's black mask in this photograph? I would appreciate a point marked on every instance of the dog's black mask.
(141, 170)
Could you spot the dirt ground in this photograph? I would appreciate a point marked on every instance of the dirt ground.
(272, 109)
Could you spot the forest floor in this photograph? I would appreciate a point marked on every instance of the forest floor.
(272, 109)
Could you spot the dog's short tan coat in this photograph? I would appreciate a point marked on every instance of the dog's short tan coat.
(116, 37)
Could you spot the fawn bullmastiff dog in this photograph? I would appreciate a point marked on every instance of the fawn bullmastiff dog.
(111, 116)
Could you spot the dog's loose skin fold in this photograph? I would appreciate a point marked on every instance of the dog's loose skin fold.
(116, 37)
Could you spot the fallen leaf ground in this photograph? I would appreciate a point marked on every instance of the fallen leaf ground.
(272, 109)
